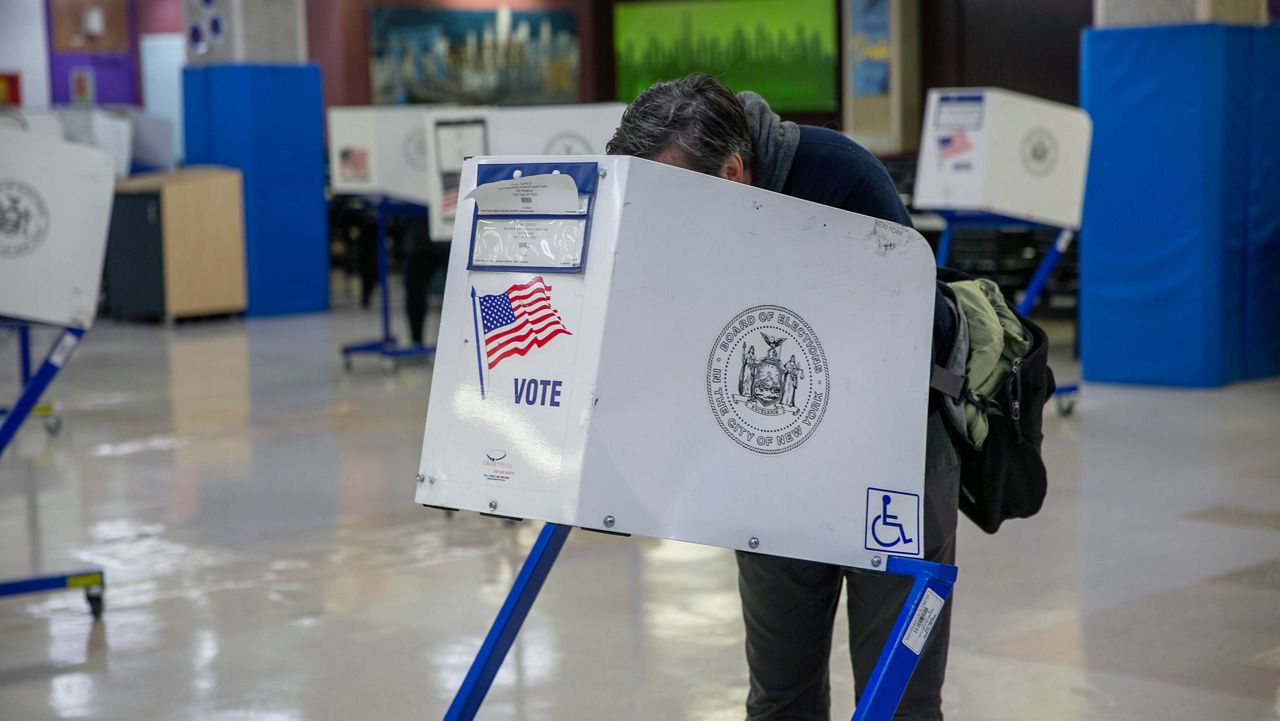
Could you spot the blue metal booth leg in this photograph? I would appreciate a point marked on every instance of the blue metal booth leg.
(39, 382)
(932, 587)
(929, 592)
(1044, 270)
(386, 346)
(91, 580)
(503, 632)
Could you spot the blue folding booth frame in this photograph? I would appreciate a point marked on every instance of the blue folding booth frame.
(387, 346)
(878, 702)
(92, 580)
(961, 219)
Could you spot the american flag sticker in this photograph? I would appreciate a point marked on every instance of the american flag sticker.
(954, 144)
(514, 323)
(353, 164)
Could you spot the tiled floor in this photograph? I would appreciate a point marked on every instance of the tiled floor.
(252, 504)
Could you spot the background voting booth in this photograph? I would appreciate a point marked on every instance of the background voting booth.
(555, 129)
(55, 201)
(604, 312)
(410, 159)
(997, 159)
(559, 129)
(403, 158)
(131, 137)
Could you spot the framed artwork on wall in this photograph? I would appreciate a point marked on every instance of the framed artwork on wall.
(499, 57)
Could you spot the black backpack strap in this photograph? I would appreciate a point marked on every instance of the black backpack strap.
(951, 385)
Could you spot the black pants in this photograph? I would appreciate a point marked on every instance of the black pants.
(418, 268)
(422, 258)
(789, 608)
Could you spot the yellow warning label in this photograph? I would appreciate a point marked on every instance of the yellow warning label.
(84, 579)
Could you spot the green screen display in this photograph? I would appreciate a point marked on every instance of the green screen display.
(783, 49)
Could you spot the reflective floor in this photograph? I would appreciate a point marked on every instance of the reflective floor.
(252, 505)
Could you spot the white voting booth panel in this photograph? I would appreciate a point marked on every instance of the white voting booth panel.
(55, 204)
(108, 132)
(713, 363)
(152, 143)
(125, 133)
(40, 122)
(555, 129)
(991, 150)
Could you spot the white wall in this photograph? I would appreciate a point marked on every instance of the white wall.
(24, 47)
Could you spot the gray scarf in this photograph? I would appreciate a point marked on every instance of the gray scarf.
(773, 143)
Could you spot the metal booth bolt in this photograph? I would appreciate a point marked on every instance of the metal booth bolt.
(754, 543)
(421, 478)
(609, 521)
(493, 505)
(876, 561)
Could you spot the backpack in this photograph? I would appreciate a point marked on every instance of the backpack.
(1002, 475)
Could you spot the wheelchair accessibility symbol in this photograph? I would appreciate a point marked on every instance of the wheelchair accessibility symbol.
(893, 522)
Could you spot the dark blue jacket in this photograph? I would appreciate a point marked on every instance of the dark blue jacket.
(831, 169)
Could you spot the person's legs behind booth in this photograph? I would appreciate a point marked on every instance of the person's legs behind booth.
(789, 610)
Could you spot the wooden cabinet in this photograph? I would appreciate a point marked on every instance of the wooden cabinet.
(176, 248)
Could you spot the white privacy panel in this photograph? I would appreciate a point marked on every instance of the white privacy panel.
(55, 205)
(713, 362)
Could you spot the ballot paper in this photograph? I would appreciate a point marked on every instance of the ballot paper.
(545, 243)
(546, 194)
(529, 223)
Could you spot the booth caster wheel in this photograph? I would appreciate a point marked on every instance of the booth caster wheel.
(53, 425)
(1066, 406)
(93, 594)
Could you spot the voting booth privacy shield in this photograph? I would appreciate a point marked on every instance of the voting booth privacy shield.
(639, 349)
(555, 129)
(1005, 153)
(55, 202)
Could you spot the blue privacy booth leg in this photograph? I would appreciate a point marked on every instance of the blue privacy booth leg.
(944, 245)
(503, 632)
(387, 346)
(1044, 270)
(91, 580)
(39, 382)
(929, 591)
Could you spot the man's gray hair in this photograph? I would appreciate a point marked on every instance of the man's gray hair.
(695, 115)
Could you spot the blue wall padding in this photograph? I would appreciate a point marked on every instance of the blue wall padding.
(1262, 242)
(268, 121)
(1163, 233)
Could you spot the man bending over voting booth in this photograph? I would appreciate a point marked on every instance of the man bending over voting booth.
(635, 348)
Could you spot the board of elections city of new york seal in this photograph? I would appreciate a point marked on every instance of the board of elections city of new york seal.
(24, 219)
(767, 380)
